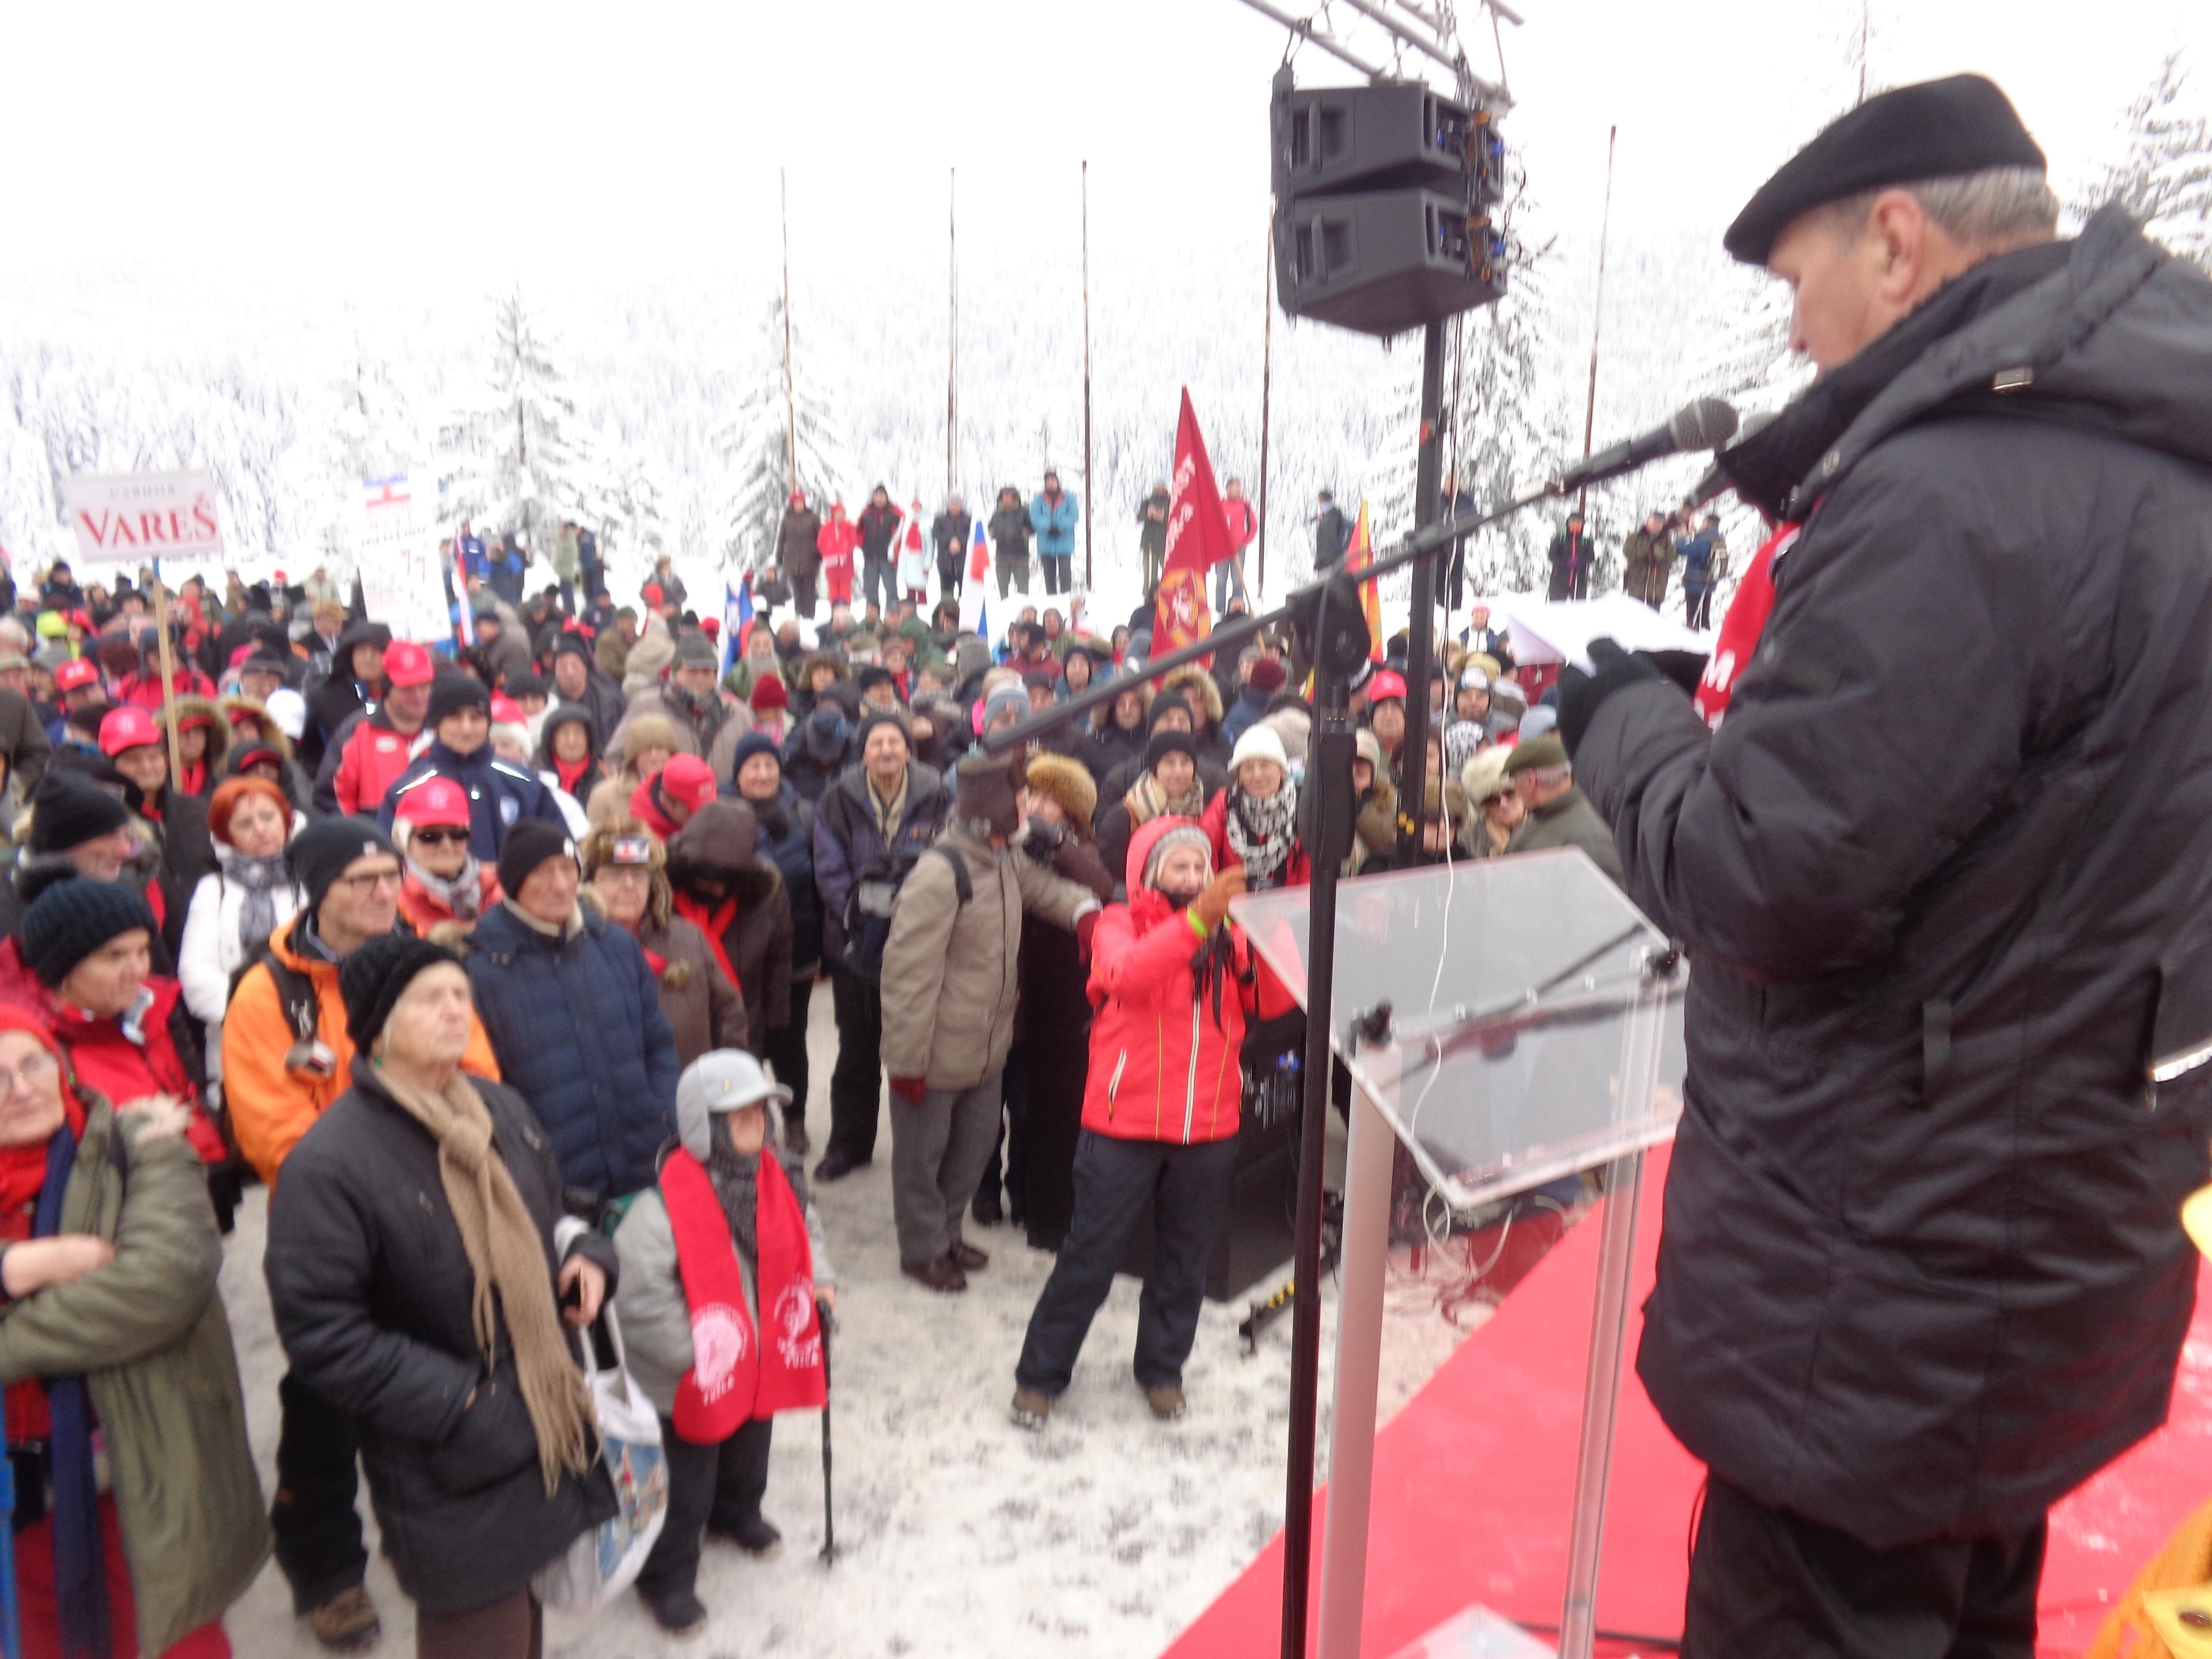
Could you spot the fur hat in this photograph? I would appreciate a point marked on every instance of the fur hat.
(648, 731)
(1068, 785)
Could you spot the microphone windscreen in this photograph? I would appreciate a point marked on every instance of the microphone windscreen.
(1706, 424)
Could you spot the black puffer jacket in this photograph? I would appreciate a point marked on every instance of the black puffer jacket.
(1944, 873)
(373, 1295)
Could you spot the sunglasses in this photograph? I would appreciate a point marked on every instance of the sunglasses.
(434, 836)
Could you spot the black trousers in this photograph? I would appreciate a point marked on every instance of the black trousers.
(948, 575)
(1189, 1189)
(1059, 572)
(512, 1627)
(318, 1532)
(786, 1050)
(802, 594)
(879, 580)
(856, 1086)
(1697, 606)
(716, 1487)
(1765, 1580)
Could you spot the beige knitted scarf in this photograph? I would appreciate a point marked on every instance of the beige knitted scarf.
(508, 1259)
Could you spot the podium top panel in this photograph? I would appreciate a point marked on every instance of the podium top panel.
(1535, 1016)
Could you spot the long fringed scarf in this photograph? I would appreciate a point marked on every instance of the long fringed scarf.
(461, 895)
(507, 1258)
(1261, 832)
(1146, 800)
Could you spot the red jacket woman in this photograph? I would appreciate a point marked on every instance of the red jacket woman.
(1172, 981)
(835, 544)
(1164, 1057)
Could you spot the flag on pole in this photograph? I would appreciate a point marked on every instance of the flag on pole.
(975, 613)
(1198, 539)
(1358, 554)
(736, 618)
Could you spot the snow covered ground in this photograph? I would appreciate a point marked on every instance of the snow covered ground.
(1103, 1536)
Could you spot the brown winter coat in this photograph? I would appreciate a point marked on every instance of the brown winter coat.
(950, 979)
(721, 842)
(702, 1007)
(1646, 560)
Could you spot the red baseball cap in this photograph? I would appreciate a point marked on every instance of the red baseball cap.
(1386, 684)
(506, 710)
(434, 800)
(76, 674)
(688, 779)
(710, 625)
(127, 727)
(651, 593)
(406, 663)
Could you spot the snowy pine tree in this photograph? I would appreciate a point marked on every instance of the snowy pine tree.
(2166, 178)
(518, 457)
(755, 443)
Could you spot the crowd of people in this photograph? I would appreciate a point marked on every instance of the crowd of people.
(492, 958)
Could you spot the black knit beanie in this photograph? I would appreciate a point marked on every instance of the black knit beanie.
(375, 976)
(529, 844)
(67, 812)
(1169, 743)
(450, 693)
(320, 852)
(71, 920)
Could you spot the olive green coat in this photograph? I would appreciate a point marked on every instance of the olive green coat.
(147, 1333)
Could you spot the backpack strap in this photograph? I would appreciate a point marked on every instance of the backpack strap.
(962, 884)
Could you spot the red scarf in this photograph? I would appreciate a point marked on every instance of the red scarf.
(734, 1378)
(1738, 641)
(713, 924)
(569, 771)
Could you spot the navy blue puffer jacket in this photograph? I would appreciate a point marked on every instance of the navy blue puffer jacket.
(500, 793)
(576, 1023)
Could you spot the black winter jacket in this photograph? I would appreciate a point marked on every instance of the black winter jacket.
(787, 837)
(372, 1298)
(1944, 874)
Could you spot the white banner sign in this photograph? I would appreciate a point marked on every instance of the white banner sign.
(131, 518)
(399, 578)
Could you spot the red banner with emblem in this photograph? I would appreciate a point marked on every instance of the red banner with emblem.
(1197, 540)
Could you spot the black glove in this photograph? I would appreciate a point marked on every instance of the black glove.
(1044, 839)
(1685, 668)
(1580, 693)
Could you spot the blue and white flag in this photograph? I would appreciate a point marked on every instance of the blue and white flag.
(736, 611)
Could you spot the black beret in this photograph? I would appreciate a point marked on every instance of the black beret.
(1935, 129)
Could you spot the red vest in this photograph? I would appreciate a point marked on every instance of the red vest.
(736, 1375)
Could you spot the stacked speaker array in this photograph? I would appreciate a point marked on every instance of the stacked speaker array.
(1385, 204)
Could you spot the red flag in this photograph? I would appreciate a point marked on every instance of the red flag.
(1198, 539)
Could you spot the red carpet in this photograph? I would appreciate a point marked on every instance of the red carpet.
(1475, 1481)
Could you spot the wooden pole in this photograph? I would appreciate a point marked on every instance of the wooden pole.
(1597, 321)
(168, 680)
(1266, 368)
(790, 396)
(1090, 488)
(952, 355)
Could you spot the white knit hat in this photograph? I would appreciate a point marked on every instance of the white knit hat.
(1260, 742)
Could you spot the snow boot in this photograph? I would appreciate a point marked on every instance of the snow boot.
(680, 1612)
(1030, 1408)
(754, 1536)
(1166, 1401)
(348, 1622)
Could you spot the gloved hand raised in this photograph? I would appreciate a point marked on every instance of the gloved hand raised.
(1212, 905)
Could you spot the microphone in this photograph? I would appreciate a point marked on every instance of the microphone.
(1717, 483)
(1706, 424)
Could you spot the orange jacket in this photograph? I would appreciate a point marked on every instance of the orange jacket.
(272, 1106)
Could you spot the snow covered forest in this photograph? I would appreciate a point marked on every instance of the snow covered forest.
(656, 410)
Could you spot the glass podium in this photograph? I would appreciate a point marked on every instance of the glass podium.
(1507, 1022)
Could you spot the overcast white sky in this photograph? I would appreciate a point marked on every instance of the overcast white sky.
(322, 148)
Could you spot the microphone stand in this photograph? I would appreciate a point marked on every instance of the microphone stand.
(1328, 614)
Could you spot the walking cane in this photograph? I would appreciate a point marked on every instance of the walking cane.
(828, 1510)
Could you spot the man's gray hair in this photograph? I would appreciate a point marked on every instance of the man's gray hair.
(1999, 207)
(1552, 777)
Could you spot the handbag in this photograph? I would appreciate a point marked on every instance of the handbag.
(600, 1564)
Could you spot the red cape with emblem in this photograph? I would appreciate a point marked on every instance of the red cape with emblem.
(742, 1370)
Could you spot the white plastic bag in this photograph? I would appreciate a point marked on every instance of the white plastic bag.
(604, 1562)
